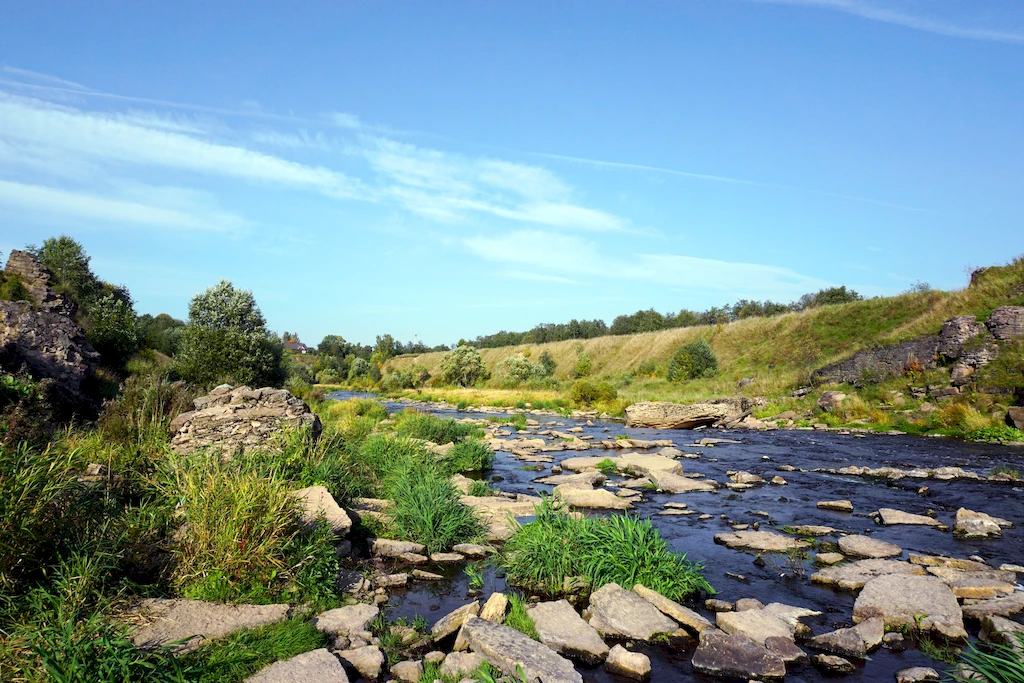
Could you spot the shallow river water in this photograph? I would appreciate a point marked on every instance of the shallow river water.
(794, 503)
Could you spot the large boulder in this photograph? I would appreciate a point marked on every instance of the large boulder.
(1015, 417)
(904, 599)
(508, 649)
(663, 415)
(619, 613)
(234, 419)
(1006, 323)
(35, 278)
(734, 655)
(564, 631)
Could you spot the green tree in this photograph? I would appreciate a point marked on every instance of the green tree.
(463, 366)
(583, 365)
(113, 330)
(547, 363)
(226, 339)
(69, 265)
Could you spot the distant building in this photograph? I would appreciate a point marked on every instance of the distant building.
(298, 347)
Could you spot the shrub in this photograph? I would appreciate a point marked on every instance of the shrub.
(621, 549)
(517, 370)
(360, 368)
(547, 363)
(399, 379)
(11, 288)
(694, 360)
(113, 330)
(463, 367)
(646, 368)
(585, 392)
(226, 339)
(583, 366)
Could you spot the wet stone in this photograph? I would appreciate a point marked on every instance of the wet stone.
(829, 558)
(508, 649)
(891, 517)
(917, 674)
(854, 575)
(921, 601)
(785, 648)
(316, 665)
(617, 612)
(836, 505)
(622, 662)
(564, 631)
(971, 524)
(865, 546)
(723, 654)
(1002, 607)
(833, 664)
(856, 641)
(684, 615)
(761, 541)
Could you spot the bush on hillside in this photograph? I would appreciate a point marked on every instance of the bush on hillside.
(585, 392)
(226, 339)
(516, 371)
(694, 360)
(583, 365)
(463, 367)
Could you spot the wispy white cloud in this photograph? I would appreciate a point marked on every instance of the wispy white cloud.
(565, 256)
(48, 204)
(890, 15)
(537, 277)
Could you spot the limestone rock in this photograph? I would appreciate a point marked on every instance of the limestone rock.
(761, 541)
(451, 622)
(591, 478)
(917, 674)
(346, 620)
(1006, 323)
(617, 612)
(233, 419)
(833, 664)
(676, 483)
(856, 641)
(317, 502)
(195, 621)
(829, 558)
(971, 524)
(979, 585)
(899, 598)
(564, 631)
(684, 615)
(459, 664)
(36, 280)
(890, 516)
(830, 400)
(865, 546)
(599, 499)
(367, 660)
(508, 649)
(407, 672)
(446, 558)
(473, 550)
(785, 648)
(950, 562)
(318, 666)
(854, 575)
(836, 505)
(735, 655)
(1015, 417)
(955, 332)
(1002, 607)
(622, 662)
(495, 607)
(635, 462)
(386, 547)
(776, 620)
(662, 415)
(1001, 630)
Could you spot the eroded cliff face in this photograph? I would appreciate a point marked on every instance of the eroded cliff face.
(41, 339)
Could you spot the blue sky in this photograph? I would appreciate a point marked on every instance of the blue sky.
(448, 169)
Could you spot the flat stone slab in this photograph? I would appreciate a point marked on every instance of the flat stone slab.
(761, 541)
(856, 641)
(759, 624)
(865, 546)
(172, 620)
(345, 620)
(387, 547)
(999, 607)
(980, 585)
(684, 615)
(890, 517)
(452, 622)
(952, 562)
(971, 524)
(901, 599)
(814, 530)
(627, 461)
(316, 502)
(508, 649)
(676, 483)
(473, 550)
(917, 674)
(459, 664)
(564, 631)
(835, 505)
(596, 499)
(617, 612)
(591, 479)
(316, 666)
(854, 575)
(367, 660)
(735, 655)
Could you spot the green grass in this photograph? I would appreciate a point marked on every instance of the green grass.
(427, 510)
(620, 549)
(518, 618)
(481, 489)
(242, 654)
(993, 663)
(475, 576)
(429, 428)
(607, 466)
(1007, 470)
(469, 456)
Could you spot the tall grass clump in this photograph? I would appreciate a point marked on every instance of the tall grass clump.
(235, 526)
(427, 510)
(468, 456)
(143, 410)
(429, 428)
(621, 549)
(518, 618)
(996, 663)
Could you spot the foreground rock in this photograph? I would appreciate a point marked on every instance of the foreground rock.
(454, 620)
(317, 502)
(1001, 607)
(855, 575)
(317, 665)
(346, 620)
(684, 615)
(622, 662)
(917, 674)
(229, 420)
(196, 622)
(619, 613)
(759, 624)
(971, 524)
(564, 631)
(856, 641)
(865, 546)
(367, 660)
(761, 541)
(735, 655)
(900, 599)
(662, 415)
(508, 649)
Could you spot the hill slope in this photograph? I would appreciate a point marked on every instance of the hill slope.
(779, 353)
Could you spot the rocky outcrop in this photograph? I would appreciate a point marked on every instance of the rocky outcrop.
(875, 364)
(41, 339)
(955, 332)
(1015, 417)
(1007, 323)
(663, 415)
(233, 419)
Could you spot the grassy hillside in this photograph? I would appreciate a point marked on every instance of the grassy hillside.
(779, 353)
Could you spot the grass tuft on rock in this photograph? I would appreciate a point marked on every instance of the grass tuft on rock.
(622, 549)
(992, 663)
(518, 618)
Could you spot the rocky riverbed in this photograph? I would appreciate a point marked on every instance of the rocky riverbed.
(758, 490)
